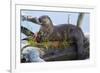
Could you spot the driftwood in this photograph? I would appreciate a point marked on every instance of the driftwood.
(26, 31)
(57, 51)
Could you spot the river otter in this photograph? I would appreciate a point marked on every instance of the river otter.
(60, 33)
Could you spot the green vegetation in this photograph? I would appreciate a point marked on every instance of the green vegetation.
(49, 44)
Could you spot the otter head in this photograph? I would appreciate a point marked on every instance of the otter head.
(45, 21)
(46, 26)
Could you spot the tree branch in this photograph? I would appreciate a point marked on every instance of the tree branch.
(80, 19)
(26, 31)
